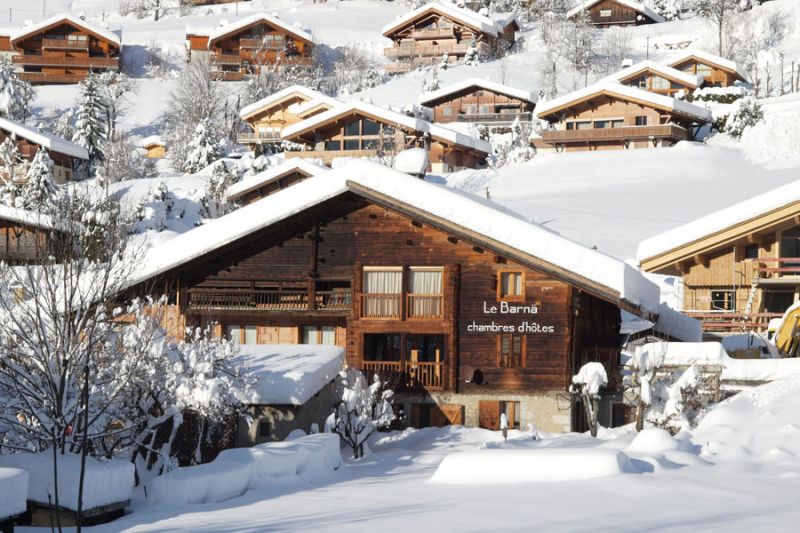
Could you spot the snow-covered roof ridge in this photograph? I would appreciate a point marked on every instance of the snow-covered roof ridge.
(718, 221)
(625, 91)
(310, 94)
(390, 116)
(463, 15)
(66, 17)
(636, 6)
(479, 217)
(233, 27)
(28, 218)
(48, 140)
(262, 178)
(690, 80)
(714, 59)
(477, 82)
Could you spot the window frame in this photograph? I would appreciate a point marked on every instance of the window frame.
(510, 297)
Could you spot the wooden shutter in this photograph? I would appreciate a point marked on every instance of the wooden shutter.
(489, 414)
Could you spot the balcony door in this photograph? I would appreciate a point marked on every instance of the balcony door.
(383, 289)
(425, 295)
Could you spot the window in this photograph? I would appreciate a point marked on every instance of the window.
(704, 70)
(580, 125)
(264, 429)
(351, 129)
(512, 412)
(660, 83)
(370, 127)
(605, 13)
(383, 288)
(751, 251)
(641, 120)
(600, 124)
(425, 292)
(425, 348)
(382, 347)
(351, 144)
(243, 334)
(486, 110)
(319, 335)
(510, 349)
(722, 301)
(334, 146)
(511, 286)
(447, 111)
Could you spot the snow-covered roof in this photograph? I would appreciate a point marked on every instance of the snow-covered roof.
(690, 80)
(636, 6)
(479, 83)
(483, 220)
(27, 218)
(305, 107)
(391, 117)
(412, 161)
(465, 16)
(290, 374)
(47, 140)
(710, 59)
(718, 221)
(256, 18)
(295, 90)
(152, 140)
(262, 178)
(625, 92)
(65, 17)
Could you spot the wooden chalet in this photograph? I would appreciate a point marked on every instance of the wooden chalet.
(242, 47)
(608, 116)
(479, 101)
(427, 34)
(271, 181)
(154, 147)
(361, 130)
(267, 117)
(66, 155)
(713, 70)
(740, 267)
(26, 236)
(62, 49)
(607, 13)
(466, 310)
(656, 78)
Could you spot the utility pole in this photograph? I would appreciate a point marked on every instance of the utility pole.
(648, 47)
(44, 3)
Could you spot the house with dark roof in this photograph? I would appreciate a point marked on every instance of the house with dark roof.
(607, 13)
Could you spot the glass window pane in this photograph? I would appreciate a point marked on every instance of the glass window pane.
(310, 335)
(333, 145)
(383, 281)
(351, 129)
(425, 282)
(370, 127)
(351, 144)
(329, 335)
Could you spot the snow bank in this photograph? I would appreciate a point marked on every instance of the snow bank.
(290, 374)
(106, 482)
(413, 161)
(238, 470)
(519, 465)
(13, 492)
(653, 441)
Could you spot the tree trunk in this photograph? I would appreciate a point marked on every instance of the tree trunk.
(84, 448)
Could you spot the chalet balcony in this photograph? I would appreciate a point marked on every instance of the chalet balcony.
(625, 133)
(732, 321)
(227, 75)
(226, 59)
(56, 61)
(423, 50)
(261, 137)
(436, 33)
(65, 44)
(327, 156)
(495, 117)
(408, 374)
(282, 300)
(41, 77)
(388, 306)
(775, 268)
(22, 254)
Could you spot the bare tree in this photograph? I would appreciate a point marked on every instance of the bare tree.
(718, 12)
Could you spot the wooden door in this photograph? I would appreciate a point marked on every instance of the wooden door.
(447, 414)
(489, 414)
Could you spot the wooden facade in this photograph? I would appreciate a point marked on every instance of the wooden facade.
(607, 120)
(434, 31)
(657, 80)
(63, 51)
(290, 106)
(279, 181)
(155, 150)
(481, 105)
(243, 47)
(712, 70)
(65, 166)
(23, 241)
(607, 13)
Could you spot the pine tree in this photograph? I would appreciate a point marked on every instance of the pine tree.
(90, 127)
(221, 179)
(39, 190)
(204, 147)
(15, 94)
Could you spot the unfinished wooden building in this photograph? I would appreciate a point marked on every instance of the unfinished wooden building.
(611, 116)
(607, 13)
(713, 70)
(427, 34)
(481, 102)
(657, 78)
(245, 46)
(465, 310)
(67, 156)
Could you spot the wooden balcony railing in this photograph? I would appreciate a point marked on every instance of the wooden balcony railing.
(427, 375)
(227, 75)
(259, 137)
(381, 305)
(41, 77)
(55, 61)
(22, 253)
(730, 321)
(261, 44)
(65, 44)
(422, 49)
(227, 59)
(436, 33)
(267, 300)
(777, 266)
(425, 305)
(495, 117)
(400, 67)
(625, 133)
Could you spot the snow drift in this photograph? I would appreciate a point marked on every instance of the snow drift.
(13, 492)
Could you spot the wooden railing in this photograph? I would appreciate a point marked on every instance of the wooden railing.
(65, 44)
(227, 75)
(495, 117)
(104, 62)
(425, 305)
(427, 375)
(625, 133)
(262, 44)
(767, 266)
(333, 300)
(730, 321)
(381, 305)
(437, 33)
(259, 137)
(267, 300)
(41, 77)
(421, 49)
(227, 59)
(400, 67)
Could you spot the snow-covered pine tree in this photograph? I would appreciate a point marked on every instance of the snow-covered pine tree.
(90, 127)
(471, 56)
(221, 179)
(15, 94)
(204, 147)
(39, 190)
(10, 164)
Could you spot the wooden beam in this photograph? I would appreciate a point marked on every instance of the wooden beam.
(701, 259)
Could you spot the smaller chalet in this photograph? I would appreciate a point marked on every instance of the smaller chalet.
(480, 101)
(62, 49)
(609, 115)
(607, 13)
(656, 78)
(26, 236)
(268, 116)
(154, 147)
(242, 47)
(295, 387)
(715, 71)
(66, 155)
(361, 130)
(272, 180)
(430, 32)
(739, 265)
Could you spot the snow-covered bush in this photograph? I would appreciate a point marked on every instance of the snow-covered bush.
(471, 56)
(16, 95)
(669, 9)
(639, 380)
(354, 70)
(676, 400)
(748, 113)
(362, 410)
(586, 385)
(204, 147)
(514, 147)
(214, 201)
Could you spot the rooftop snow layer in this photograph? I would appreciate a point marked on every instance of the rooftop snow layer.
(625, 91)
(290, 374)
(152, 140)
(13, 492)
(262, 178)
(691, 80)
(480, 83)
(393, 117)
(309, 94)
(222, 31)
(636, 6)
(470, 212)
(48, 140)
(714, 59)
(458, 14)
(65, 17)
(27, 218)
(719, 221)
(412, 161)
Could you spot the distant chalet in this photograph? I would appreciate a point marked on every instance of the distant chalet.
(427, 34)
(607, 13)
(271, 180)
(243, 47)
(713, 70)
(27, 237)
(657, 78)
(62, 49)
(66, 155)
